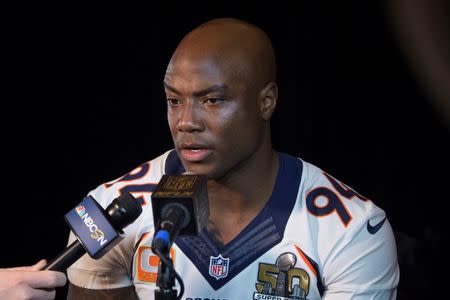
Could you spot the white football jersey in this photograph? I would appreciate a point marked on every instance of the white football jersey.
(316, 238)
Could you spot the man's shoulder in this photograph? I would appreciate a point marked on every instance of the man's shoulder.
(336, 213)
(319, 186)
(334, 206)
(140, 181)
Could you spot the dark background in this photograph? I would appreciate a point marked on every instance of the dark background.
(83, 103)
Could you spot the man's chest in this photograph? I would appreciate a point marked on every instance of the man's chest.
(283, 271)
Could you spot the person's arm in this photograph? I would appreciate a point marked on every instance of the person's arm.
(365, 267)
(29, 282)
(79, 293)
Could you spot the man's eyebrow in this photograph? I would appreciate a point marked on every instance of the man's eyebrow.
(211, 89)
(214, 88)
(171, 88)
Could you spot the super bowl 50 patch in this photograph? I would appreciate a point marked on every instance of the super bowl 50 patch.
(282, 280)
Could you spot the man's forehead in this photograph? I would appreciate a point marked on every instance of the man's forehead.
(199, 72)
(194, 83)
(205, 64)
(198, 90)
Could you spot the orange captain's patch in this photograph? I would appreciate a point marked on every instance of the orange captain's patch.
(147, 264)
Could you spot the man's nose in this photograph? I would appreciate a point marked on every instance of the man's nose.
(190, 118)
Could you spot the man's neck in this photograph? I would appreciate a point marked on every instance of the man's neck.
(235, 201)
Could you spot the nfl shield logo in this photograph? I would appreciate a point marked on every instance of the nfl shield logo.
(218, 266)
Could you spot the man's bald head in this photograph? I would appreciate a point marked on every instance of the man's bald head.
(221, 93)
(234, 45)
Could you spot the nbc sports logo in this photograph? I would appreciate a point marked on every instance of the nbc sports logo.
(97, 234)
(80, 210)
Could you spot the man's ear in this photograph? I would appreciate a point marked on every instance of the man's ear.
(268, 100)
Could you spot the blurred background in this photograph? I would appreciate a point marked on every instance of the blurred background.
(363, 94)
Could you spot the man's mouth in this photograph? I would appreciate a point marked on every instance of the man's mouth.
(194, 153)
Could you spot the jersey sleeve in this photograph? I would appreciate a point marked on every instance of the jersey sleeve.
(354, 241)
(363, 265)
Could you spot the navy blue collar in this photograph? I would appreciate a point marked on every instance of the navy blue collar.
(264, 232)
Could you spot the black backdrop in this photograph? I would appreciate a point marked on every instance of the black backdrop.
(83, 103)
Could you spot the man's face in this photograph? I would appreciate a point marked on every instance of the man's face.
(213, 116)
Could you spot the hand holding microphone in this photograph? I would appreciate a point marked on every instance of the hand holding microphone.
(29, 282)
(97, 230)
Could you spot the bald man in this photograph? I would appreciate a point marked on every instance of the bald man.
(279, 227)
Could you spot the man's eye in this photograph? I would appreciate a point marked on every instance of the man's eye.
(214, 101)
(173, 101)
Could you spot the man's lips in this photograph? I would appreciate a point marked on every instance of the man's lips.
(194, 152)
(194, 155)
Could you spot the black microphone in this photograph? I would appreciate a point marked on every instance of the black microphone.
(180, 207)
(97, 230)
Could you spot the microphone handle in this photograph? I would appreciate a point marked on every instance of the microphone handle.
(64, 260)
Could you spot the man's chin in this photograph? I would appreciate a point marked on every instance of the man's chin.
(198, 168)
(194, 168)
